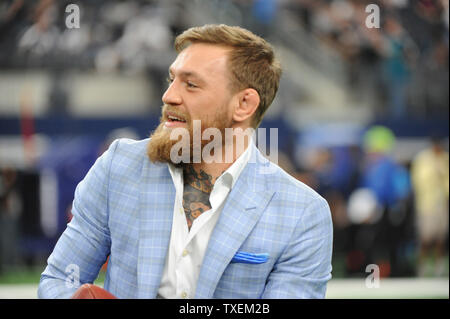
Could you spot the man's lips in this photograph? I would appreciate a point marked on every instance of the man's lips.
(174, 124)
(174, 117)
(173, 120)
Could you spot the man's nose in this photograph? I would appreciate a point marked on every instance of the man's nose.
(172, 96)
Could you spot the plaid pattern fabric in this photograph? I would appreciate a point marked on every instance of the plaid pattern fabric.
(123, 208)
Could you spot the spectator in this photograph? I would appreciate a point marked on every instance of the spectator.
(430, 177)
(389, 182)
(10, 210)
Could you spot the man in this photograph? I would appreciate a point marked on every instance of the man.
(430, 177)
(198, 228)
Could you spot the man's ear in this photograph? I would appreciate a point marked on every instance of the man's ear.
(248, 102)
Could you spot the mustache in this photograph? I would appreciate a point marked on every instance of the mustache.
(173, 111)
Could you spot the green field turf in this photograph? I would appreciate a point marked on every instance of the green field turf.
(32, 276)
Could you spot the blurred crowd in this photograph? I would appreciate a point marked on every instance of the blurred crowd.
(402, 66)
(386, 212)
(114, 37)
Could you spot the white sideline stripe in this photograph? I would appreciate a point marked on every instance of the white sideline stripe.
(337, 289)
(20, 291)
(390, 288)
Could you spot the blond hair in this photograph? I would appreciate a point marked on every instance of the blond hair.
(252, 60)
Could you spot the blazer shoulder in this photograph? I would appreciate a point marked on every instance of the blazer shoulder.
(290, 184)
(131, 148)
(128, 155)
(289, 189)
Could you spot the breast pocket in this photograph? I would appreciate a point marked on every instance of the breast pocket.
(243, 280)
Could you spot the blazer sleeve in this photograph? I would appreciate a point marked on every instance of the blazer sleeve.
(85, 244)
(304, 267)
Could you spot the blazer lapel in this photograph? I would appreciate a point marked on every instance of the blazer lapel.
(243, 208)
(157, 198)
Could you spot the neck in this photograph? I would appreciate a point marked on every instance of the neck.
(204, 174)
(207, 173)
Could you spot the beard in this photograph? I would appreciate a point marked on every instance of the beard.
(160, 145)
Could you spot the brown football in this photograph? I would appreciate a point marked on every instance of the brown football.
(89, 291)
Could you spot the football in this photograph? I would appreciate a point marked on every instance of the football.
(89, 291)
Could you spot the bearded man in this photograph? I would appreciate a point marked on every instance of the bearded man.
(199, 228)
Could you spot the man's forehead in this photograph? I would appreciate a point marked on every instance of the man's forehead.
(201, 58)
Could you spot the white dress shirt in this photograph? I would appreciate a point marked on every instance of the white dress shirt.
(187, 248)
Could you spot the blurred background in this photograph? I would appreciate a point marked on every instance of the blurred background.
(362, 117)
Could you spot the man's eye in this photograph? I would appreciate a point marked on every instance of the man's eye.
(191, 85)
(169, 80)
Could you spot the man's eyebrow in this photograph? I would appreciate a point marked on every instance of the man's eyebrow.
(186, 74)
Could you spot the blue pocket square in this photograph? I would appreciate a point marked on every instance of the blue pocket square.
(249, 258)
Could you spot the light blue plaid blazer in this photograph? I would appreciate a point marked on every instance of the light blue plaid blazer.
(123, 209)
